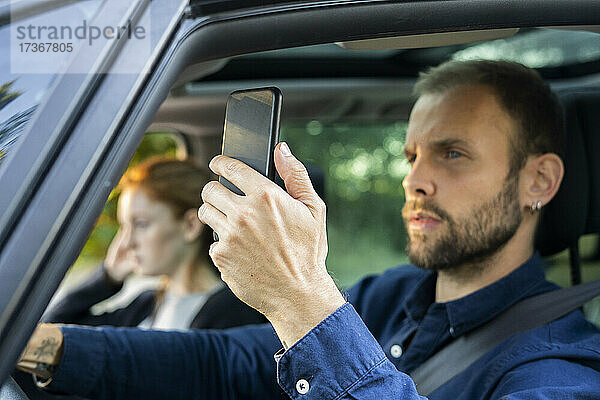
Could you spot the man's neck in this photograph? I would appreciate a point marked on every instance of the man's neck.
(465, 279)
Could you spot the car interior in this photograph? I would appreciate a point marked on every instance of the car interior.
(345, 110)
(350, 87)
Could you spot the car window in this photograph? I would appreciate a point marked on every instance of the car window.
(23, 85)
(558, 265)
(362, 157)
(364, 167)
(539, 48)
(75, 145)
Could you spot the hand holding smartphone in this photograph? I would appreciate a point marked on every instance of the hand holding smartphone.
(251, 130)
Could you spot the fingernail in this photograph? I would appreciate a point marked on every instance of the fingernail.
(285, 150)
(212, 161)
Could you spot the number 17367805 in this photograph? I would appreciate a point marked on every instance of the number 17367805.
(45, 47)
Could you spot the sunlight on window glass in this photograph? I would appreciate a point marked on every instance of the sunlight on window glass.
(538, 48)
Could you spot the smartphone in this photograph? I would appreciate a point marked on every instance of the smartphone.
(251, 130)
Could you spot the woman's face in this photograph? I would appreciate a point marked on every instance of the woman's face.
(153, 237)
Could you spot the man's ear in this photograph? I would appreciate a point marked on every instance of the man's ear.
(192, 225)
(541, 178)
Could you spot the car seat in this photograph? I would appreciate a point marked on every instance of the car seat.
(575, 210)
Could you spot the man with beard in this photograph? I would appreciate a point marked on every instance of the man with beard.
(484, 145)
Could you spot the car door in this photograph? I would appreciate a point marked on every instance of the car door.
(69, 155)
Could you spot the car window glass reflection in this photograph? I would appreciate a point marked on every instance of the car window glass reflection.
(21, 93)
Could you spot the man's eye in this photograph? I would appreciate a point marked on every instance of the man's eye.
(411, 158)
(452, 154)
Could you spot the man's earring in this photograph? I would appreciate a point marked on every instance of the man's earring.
(536, 206)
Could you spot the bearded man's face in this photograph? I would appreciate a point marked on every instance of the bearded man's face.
(462, 204)
(470, 238)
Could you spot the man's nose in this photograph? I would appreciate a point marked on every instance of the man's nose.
(419, 181)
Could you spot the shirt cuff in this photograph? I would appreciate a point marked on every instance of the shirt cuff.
(330, 359)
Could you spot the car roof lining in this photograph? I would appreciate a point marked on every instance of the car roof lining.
(323, 22)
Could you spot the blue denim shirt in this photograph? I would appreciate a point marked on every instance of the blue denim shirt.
(364, 350)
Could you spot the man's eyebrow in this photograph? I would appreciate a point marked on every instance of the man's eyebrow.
(439, 144)
(445, 143)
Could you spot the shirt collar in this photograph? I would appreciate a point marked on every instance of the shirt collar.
(471, 311)
(421, 297)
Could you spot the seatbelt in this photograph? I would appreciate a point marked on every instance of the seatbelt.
(527, 314)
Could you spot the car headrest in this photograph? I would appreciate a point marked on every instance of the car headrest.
(575, 210)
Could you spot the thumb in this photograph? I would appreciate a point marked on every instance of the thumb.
(295, 177)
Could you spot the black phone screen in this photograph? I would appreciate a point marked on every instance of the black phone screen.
(251, 130)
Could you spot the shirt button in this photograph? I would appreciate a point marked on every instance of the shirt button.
(302, 386)
(452, 331)
(396, 351)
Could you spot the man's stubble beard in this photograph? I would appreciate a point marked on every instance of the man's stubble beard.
(469, 240)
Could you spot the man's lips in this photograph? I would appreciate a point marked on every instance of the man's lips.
(423, 221)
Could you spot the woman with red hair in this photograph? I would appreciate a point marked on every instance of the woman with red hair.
(159, 235)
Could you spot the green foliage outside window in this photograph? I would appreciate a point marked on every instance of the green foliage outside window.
(11, 128)
(364, 167)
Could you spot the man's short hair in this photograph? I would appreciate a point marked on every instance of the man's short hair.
(521, 91)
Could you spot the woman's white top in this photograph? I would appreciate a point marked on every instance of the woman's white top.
(177, 311)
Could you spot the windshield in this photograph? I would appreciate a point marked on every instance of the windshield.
(22, 86)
